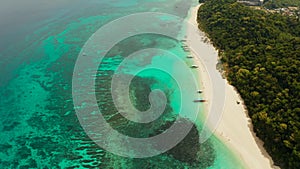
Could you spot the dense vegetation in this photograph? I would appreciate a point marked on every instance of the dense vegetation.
(261, 55)
(272, 4)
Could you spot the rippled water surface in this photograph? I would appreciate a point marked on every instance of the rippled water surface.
(39, 45)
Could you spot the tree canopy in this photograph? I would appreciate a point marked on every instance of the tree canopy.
(261, 55)
(272, 4)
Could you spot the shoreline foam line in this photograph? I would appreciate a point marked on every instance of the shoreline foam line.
(235, 128)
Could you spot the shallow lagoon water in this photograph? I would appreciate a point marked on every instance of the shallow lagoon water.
(39, 127)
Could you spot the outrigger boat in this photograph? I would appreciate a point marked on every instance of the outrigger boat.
(200, 101)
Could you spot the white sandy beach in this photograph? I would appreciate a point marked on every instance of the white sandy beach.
(234, 127)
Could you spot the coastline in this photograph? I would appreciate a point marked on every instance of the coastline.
(235, 128)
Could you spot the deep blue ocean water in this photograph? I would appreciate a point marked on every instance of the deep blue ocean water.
(39, 45)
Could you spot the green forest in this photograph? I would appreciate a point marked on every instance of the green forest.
(272, 4)
(260, 52)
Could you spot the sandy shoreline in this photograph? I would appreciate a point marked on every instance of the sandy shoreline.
(235, 127)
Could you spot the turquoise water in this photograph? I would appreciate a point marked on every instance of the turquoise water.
(39, 126)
